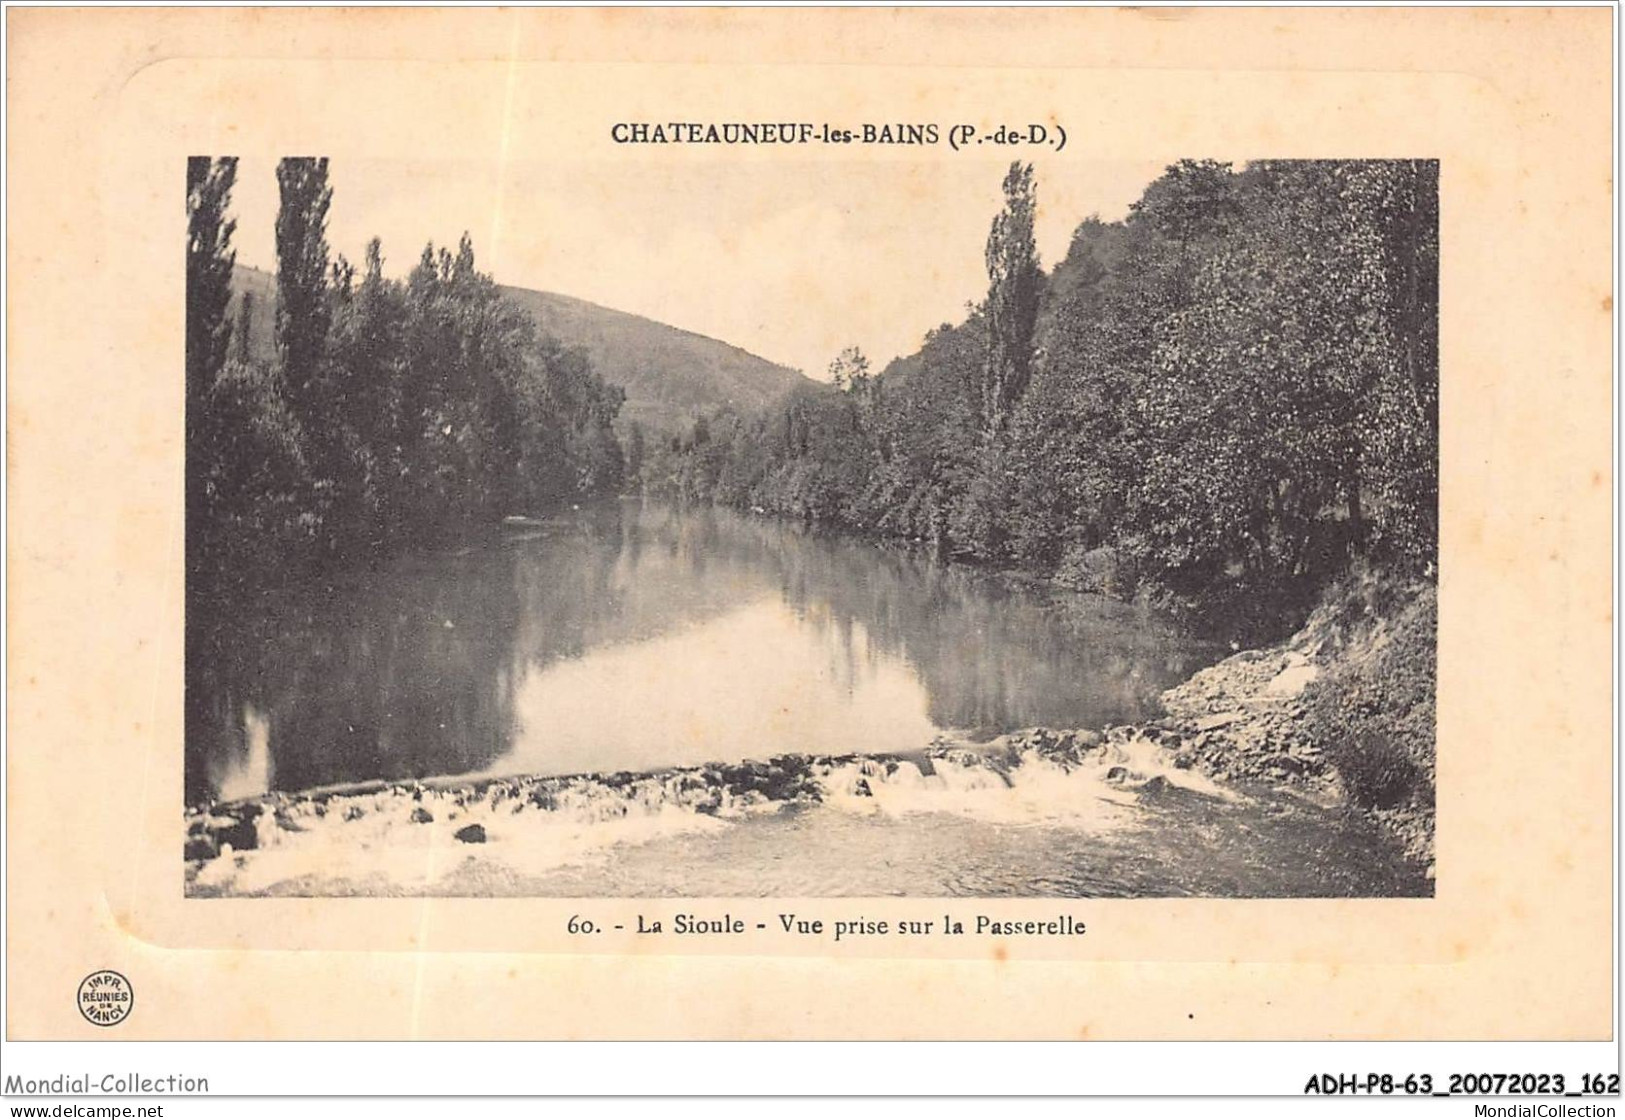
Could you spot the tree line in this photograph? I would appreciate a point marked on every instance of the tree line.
(394, 412)
(1223, 398)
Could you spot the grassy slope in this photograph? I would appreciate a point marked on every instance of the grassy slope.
(670, 375)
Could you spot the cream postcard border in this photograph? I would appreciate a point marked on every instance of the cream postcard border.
(104, 106)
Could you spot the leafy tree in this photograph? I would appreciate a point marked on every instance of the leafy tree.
(1012, 299)
(395, 413)
(302, 315)
(1221, 400)
(366, 359)
(209, 261)
(849, 372)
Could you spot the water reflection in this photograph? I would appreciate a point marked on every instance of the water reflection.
(633, 637)
(754, 682)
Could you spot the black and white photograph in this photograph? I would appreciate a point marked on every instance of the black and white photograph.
(1015, 528)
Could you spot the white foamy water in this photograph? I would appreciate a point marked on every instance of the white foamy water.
(403, 841)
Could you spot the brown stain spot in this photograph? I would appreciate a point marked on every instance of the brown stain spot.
(1083, 1033)
(1607, 303)
(1000, 953)
(1596, 478)
(513, 974)
(1460, 950)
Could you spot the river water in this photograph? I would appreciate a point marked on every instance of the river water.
(633, 637)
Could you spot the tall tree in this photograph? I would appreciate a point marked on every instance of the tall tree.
(850, 371)
(1400, 425)
(1012, 300)
(243, 332)
(302, 314)
(365, 349)
(209, 261)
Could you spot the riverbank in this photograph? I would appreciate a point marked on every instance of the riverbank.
(1343, 710)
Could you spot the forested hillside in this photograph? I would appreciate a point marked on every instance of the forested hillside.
(1222, 399)
(671, 377)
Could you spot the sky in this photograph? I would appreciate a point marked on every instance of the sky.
(792, 260)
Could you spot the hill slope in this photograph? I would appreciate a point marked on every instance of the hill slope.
(670, 375)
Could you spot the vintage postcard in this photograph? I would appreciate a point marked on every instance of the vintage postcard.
(1081, 523)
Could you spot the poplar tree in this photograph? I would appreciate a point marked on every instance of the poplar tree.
(209, 261)
(302, 313)
(1012, 300)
